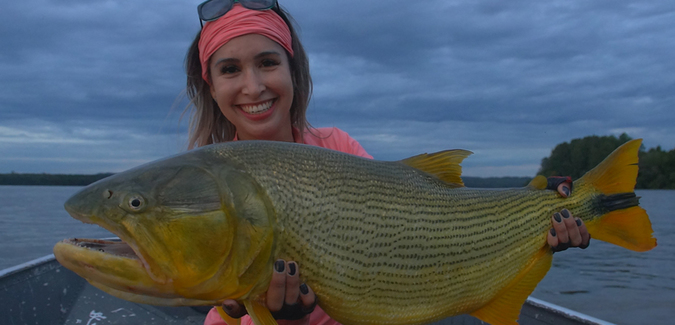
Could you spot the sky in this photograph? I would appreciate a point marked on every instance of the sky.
(97, 86)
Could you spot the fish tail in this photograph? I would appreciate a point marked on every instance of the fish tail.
(619, 220)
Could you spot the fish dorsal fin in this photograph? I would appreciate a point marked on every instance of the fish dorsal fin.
(505, 307)
(443, 164)
(538, 183)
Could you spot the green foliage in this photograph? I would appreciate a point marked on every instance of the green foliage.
(580, 155)
(657, 167)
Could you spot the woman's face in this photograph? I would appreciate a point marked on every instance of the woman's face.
(251, 82)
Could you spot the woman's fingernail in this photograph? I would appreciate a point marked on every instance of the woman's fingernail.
(566, 213)
(557, 218)
(279, 266)
(303, 289)
(553, 232)
(566, 190)
(578, 222)
(291, 269)
(227, 307)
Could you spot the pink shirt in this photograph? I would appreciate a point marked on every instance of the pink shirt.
(329, 138)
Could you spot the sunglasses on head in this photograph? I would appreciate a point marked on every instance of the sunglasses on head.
(213, 9)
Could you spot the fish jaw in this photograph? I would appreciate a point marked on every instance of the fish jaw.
(92, 259)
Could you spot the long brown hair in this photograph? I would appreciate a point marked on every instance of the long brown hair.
(208, 124)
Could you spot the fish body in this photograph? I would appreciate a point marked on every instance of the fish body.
(379, 242)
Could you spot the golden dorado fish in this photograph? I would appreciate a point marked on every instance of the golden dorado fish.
(379, 242)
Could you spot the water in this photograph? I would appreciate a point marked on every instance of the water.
(32, 220)
(604, 281)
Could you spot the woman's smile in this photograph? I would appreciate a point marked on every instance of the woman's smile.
(257, 108)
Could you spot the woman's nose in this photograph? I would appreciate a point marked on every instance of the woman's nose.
(253, 83)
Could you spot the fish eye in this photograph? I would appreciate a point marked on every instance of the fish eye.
(136, 203)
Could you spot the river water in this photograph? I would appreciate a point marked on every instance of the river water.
(604, 281)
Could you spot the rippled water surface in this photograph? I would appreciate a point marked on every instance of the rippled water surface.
(604, 281)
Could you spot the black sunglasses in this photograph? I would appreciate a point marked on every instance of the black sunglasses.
(213, 9)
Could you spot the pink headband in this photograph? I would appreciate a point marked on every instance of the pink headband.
(237, 22)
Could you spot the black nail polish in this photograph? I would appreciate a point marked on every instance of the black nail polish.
(553, 232)
(303, 289)
(279, 266)
(578, 222)
(291, 269)
(566, 190)
(557, 218)
(565, 213)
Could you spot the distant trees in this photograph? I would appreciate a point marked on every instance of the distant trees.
(657, 167)
(49, 179)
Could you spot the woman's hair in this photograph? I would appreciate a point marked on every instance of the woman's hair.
(208, 124)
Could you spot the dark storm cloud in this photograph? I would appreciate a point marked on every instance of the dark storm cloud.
(99, 81)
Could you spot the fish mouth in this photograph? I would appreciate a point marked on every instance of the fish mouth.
(112, 246)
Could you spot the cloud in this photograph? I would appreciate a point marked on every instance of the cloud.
(506, 79)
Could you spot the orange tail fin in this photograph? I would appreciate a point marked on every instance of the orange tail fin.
(624, 223)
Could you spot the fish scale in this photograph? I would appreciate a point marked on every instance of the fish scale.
(393, 211)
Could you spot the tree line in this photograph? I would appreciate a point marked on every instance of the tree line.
(657, 166)
(50, 179)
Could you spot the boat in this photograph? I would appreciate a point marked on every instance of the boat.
(44, 292)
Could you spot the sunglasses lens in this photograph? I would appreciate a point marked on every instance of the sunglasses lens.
(257, 4)
(215, 8)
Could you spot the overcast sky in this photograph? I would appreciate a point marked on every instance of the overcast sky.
(90, 86)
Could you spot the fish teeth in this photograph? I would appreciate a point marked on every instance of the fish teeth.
(257, 109)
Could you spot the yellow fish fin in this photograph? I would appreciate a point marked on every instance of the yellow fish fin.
(259, 313)
(538, 183)
(618, 172)
(626, 224)
(443, 164)
(505, 307)
(629, 228)
(229, 320)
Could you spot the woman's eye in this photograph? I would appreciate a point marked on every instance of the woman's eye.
(229, 69)
(269, 63)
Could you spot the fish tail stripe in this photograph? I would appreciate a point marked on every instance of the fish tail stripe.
(621, 222)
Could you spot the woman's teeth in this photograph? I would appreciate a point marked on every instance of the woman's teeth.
(257, 109)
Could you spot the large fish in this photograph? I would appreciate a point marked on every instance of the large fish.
(379, 242)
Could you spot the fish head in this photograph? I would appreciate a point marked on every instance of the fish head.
(192, 232)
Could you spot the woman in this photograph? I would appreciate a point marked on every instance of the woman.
(248, 79)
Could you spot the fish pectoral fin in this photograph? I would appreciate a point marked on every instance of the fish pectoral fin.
(538, 183)
(259, 313)
(505, 307)
(443, 164)
(229, 320)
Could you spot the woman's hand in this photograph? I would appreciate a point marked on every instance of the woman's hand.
(286, 297)
(567, 230)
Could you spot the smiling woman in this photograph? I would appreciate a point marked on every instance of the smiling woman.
(248, 79)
